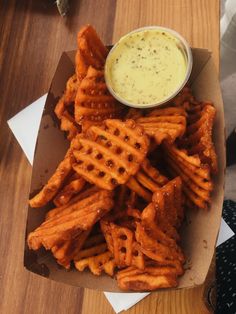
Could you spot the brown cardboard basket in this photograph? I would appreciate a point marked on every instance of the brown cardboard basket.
(199, 232)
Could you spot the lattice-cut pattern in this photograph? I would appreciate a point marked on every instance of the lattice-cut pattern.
(97, 264)
(55, 182)
(198, 138)
(91, 51)
(147, 180)
(122, 242)
(169, 202)
(79, 216)
(93, 102)
(66, 251)
(197, 184)
(156, 250)
(109, 155)
(150, 278)
(168, 123)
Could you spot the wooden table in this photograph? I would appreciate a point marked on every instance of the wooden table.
(32, 38)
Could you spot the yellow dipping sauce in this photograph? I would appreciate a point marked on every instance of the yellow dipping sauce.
(146, 67)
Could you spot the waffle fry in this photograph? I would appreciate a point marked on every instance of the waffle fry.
(57, 211)
(71, 89)
(92, 251)
(54, 183)
(155, 250)
(68, 191)
(137, 256)
(148, 179)
(97, 264)
(67, 250)
(134, 185)
(91, 51)
(167, 123)
(185, 96)
(147, 279)
(65, 105)
(198, 138)
(106, 230)
(94, 240)
(168, 202)
(122, 239)
(93, 102)
(197, 184)
(109, 155)
(82, 215)
(151, 223)
(134, 114)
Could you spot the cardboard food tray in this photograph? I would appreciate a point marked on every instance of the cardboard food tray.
(200, 230)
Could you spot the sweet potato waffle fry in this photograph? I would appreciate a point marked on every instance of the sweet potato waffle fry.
(122, 188)
(93, 102)
(109, 155)
(147, 180)
(197, 184)
(146, 280)
(72, 188)
(54, 183)
(91, 51)
(168, 123)
(66, 251)
(81, 215)
(198, 137)
(97, 264)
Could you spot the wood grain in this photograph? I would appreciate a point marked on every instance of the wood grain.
(197, 21)
(32, 38)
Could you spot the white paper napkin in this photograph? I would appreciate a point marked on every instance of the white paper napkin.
(25, 126)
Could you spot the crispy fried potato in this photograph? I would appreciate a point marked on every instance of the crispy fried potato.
(91, 51)
(134, 114)
(68, 191)
(137, 256)
(92, 251)
(198, 138)
(184, 96)
(151, 223)
(91, 46)
(57, 211)
(133, 212)
(106, 230)
(94, 240)
(81, 215)
(97, 264)
(93, 102)
(134, 185)
(147, 279)
(71, 89)
(81, 67)
(148, 179)
(66, 251)
(167, 123)
(122, 239)
(109, 155)
(155, 250)
(168, 202)
(64, 105)
(53, 185)
(197, 184)
(68, 125)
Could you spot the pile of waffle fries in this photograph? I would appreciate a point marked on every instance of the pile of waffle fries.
(122, 189)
